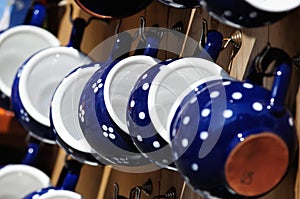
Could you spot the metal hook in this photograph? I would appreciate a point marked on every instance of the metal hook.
(170, 194)
(296, 61)
(116, 191)
(117, 29)
(203, 36)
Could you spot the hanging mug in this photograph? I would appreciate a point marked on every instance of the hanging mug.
(104, 101)
(157, 89)
(37, 79)
(64, 106)
(234, 139)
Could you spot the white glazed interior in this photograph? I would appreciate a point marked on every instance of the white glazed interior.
(16, 45)
(119, 83)
(60, 194)
(42, 74)
(16, 181)
(274, 5)
(64, 107)
(171, 82)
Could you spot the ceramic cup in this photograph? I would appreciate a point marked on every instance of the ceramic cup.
(36, 81)
(16, 45)
(64, 106)
(155, 92)
(104, 101)
(16, 181)
(249, 13)
(54, 194)
(234, 139)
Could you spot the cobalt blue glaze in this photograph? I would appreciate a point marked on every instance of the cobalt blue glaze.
(99, 128)
(213, 120)
(31, 153)
(240, 13)
(145, 136)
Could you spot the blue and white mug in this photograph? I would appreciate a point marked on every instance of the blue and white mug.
(234, 139)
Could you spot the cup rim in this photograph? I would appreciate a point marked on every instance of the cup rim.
(207, 65)
(81, 144)
(54, 193)
(142, 59)
(17, 168)
(26, 70)
(15, 31)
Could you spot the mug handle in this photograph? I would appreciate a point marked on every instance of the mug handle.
(69, 175)
(281, 69)
(121, 47)
(32, 152)
(77, 31)
(212, 46)
(38, 14)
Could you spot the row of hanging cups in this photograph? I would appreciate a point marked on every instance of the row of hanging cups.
(236, 13)
(124, 111)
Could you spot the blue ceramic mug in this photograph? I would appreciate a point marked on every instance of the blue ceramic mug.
(37, 79)
(64, 106)
(16, 45)
(249, 13)
(235, 139)
(104, 101)
(157, 89)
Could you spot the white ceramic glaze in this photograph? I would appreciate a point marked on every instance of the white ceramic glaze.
(64, 105)
(274, 5)
(42, 74)
(60, 194)
(172, 80)
(16, 181)
(119, 84)
(16, 45)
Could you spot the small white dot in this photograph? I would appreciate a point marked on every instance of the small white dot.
(165, 161)
(96, 90)
(132, 103)
(278, 73)
(80, 107)
(156, 144)
(291, 121)
(247, 85)
(257, 106)
(104, 127)
(186, 120)
(142, 115)
(228, 13)
(203, 135)
(184, 142)
(205, 112)
(242, 139)
(240, 135)
(227, 113)
(226, 83)
(237, 95)
(27, 119)
(145, 86)
(99, 80)
(22, 111)
(214, 94)
(83, 112)
(112, 136)
(139, 138)
(110, 129)
(105, 134)
(253, 14)
(94, 85)
(145, 76)
(100, 85)
(195, 167)
(193, 100)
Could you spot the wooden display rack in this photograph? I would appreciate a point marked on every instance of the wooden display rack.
(97, 182)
